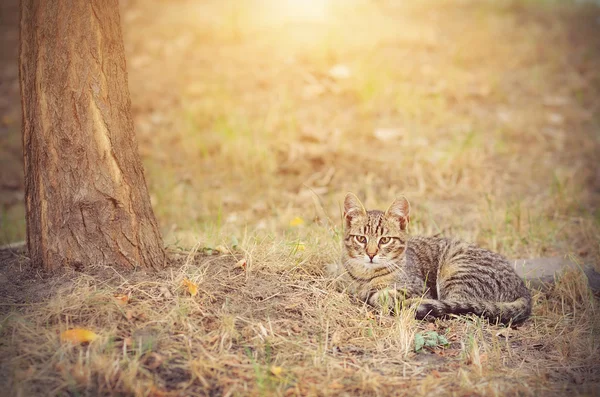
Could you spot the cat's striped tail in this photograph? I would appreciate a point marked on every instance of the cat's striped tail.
(504, 312)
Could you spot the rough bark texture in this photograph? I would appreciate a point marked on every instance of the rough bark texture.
(85, 192)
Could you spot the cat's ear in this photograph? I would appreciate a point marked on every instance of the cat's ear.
(353, 207)
(400, 210)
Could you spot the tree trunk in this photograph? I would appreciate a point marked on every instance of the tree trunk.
(85, 193)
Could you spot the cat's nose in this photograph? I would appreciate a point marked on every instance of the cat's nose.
(371, 256)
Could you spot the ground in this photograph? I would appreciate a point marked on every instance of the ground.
(254, 118)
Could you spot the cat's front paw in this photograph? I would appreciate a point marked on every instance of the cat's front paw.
(385, 299)
(390, 300)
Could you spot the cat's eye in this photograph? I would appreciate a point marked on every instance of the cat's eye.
(361, 239)
(384, 240)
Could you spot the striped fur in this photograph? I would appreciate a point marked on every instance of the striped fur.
(386, 267)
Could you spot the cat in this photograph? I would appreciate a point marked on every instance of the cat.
(386, 267)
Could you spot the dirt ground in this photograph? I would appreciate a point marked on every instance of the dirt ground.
(254, 118)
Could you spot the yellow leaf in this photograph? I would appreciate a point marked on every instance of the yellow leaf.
(276, 370)
(297, 221)
(300, 246)
(78, 335)
(121, 300)
(191, 287)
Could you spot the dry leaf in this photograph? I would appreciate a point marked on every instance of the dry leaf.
(300, 246)
(121, 300)
(221, 249)
(191, 287)
(242, 263)
(297, 221)
(276, 370)
(78, 335)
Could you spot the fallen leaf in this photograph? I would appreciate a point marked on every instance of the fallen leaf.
(297, 221)
(242, 263)
(191, 287)
(300, 246)
(78, 335)
(121, 300)
(221, 249)
(277, 371)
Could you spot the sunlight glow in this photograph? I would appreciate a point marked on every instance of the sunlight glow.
(307, 10)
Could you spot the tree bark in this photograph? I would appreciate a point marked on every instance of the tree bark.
(85, 193)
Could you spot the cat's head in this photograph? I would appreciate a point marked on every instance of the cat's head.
(375, 238)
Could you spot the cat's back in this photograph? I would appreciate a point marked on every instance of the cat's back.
(441, 259)
(435, 251)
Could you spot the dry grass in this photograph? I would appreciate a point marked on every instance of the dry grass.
(279, 328)
(494, 110)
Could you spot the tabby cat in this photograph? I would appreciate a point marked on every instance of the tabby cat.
(384, 266)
